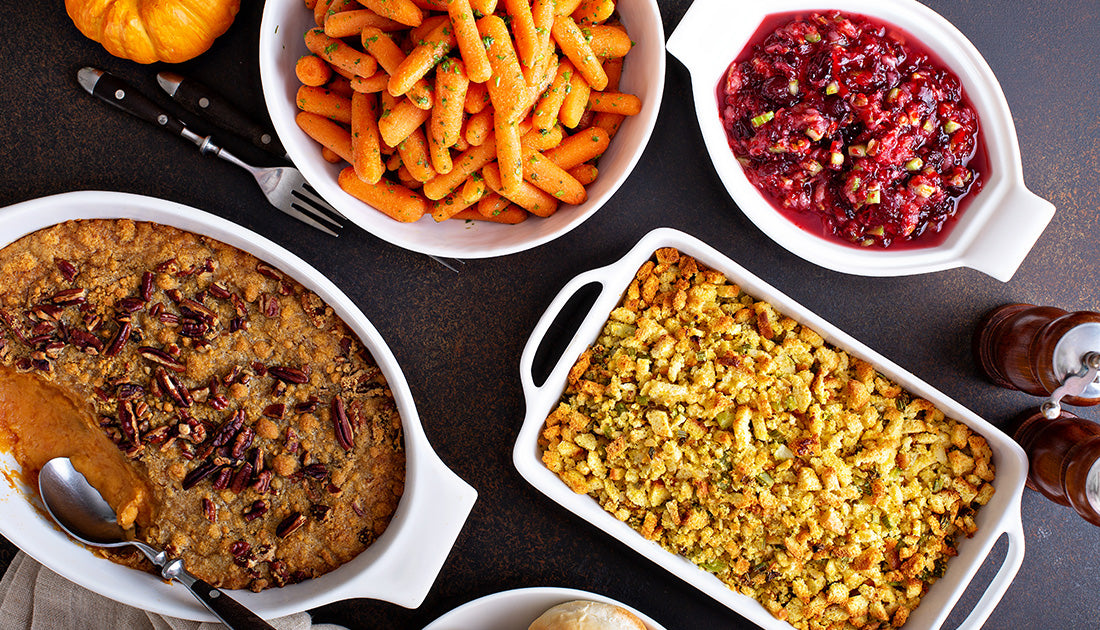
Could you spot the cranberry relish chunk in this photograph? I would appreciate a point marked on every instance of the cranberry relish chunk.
(838, 116)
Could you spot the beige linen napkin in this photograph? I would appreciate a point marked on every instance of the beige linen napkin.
(34, 598)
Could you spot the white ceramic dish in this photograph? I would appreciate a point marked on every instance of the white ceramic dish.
(992, 235)
(516, 609)
(1000, 516)
(283, 25)
(399, 567)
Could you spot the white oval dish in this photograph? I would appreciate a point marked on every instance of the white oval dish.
(399, 567)
(993, 234)
(1000, 516)
(516, 609)
(281, 30)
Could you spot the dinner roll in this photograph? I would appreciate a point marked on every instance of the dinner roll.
(587, 615)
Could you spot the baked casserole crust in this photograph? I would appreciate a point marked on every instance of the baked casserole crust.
(734, 436)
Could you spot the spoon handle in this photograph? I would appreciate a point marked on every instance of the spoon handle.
(224, 607)
(229, 610)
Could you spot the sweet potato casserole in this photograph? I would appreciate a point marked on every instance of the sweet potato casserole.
(258, 440)
(791, 470)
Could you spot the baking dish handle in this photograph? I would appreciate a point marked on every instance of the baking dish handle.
(1014, 557)
(1005, 240)
(538, 335)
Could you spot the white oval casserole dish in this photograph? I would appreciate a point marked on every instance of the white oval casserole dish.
(281, 31)
(1000, 516)
(399, 567)
(1001, 222)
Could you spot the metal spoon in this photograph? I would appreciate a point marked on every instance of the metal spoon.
(80, 510)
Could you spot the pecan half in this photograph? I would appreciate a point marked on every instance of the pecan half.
(275, 411)
(269, 305)
(210, 511)
(67, 269)
(70, 297)
(221, 481)
(198, 473)
(161, 357)
(258, 509)
(342, 427)
(289, 524)
(268, 271)
(218, 290)
(130, 304)
(170, 385)
(263, 481)
(288, 374)
(242, 441)
(120, 339)
(228, 430)
(241, 478)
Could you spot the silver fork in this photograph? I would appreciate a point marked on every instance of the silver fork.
(284, 186)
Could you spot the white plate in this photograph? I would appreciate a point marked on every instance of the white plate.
(516, 609)
(281, 30)
(993, 234)
(1000, 516)
(399, 567)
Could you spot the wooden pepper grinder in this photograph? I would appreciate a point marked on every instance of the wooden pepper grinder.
(1042, 350)
(1064, 460)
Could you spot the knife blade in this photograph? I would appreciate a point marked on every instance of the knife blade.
(209, 105)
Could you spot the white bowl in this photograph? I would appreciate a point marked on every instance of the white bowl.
(516, 609)
(1000, 224)
(286, 21)
(1000, 516)
(399, 567)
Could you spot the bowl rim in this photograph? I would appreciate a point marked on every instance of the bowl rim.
(435, 500)
(707, 60)
(1001, 516)
(645, 77)
(506, 604)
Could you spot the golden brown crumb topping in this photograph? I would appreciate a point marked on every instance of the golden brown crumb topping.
(270, 439)
(736, 437)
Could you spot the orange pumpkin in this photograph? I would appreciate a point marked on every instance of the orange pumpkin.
(153, 30)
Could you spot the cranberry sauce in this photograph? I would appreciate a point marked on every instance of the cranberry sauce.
(852, 129)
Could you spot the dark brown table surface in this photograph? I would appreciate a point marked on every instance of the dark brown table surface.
(458, 337)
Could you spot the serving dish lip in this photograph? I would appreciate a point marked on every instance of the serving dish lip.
(546, 596)
(1000, 516)
(28, 528)
(707, 62)
(643, 74)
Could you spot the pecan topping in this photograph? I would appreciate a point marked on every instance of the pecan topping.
(70, 297)
(170, 385)
(210, 511)
(263, 481)
(290, 524)
(120, 339)
(258, 509)
(67, 269)
(308, 406)
(198, 473)
(162, 358)
(315, 471)
(288, 374)
(198, 310)
(158, 435)
(269, 304)
(319, 511)
(221, 481)
(130, 304)
(239, 549)
(275, 411)
(241, 442)
(85, 341)
(344, 434)
(268, 271)
(228, 430)
(129, 391)
(218, 290)
(241, 478)
(47, 311)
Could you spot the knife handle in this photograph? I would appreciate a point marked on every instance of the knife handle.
(125, 97)
(207, 104)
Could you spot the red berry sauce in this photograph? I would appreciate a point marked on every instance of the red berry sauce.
(842, 118)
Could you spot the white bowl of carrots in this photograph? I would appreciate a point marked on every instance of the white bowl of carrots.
(469, 128)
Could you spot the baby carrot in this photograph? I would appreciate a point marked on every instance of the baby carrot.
(470, 45)
(365, 153)
(510, 215)
(509, 152)
(614, 103)
(492, 204)
(395, 200)
(609, 41)
(395, 124)
(403, 11)
(450, 98)
(484, 7)
(575, 102)
(369, 85)
(350, 23)
(474, 188)
(543, 140)
(552, 178)
(414, 155)
(523, 28)
(525, 195)
(479, 127)
(326, 132)
(579, 148)
(584, 173)
(546, 110)
(477, 96)
(593, 11)
(422, 58)
(449, 206)
(382, 48)
(566, 7)
(573, 43)
(312, 70)
(324, 102)
(339, 54)
(465, 165)
(507, 89)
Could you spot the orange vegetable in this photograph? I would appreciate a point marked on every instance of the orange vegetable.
(507, 88)
(312, 70)
(326, 132)
(609, 41)
(396, 123)
(491, 204)
(523, 194)
(339, 54)
(450, 98)
(523, 29)
(551, 178)
(614, 103)
(365, 148)
(422, 58)
(395, 200)
(403, 11)
(350, 23)
(584, 173)
(465, 165)
(470, 45)
(593, 11)
(573, 43)
(579, 148)
(510, 215)
(325, 103)
(575, 102)
(548, 107)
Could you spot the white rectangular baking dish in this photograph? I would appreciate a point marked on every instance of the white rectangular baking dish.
(399, 567)
(1000, 516)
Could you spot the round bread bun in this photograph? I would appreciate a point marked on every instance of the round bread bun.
(587, 615)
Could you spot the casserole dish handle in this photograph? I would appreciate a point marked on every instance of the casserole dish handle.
(549, 317)
(1014, 557)
(1007, 237)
